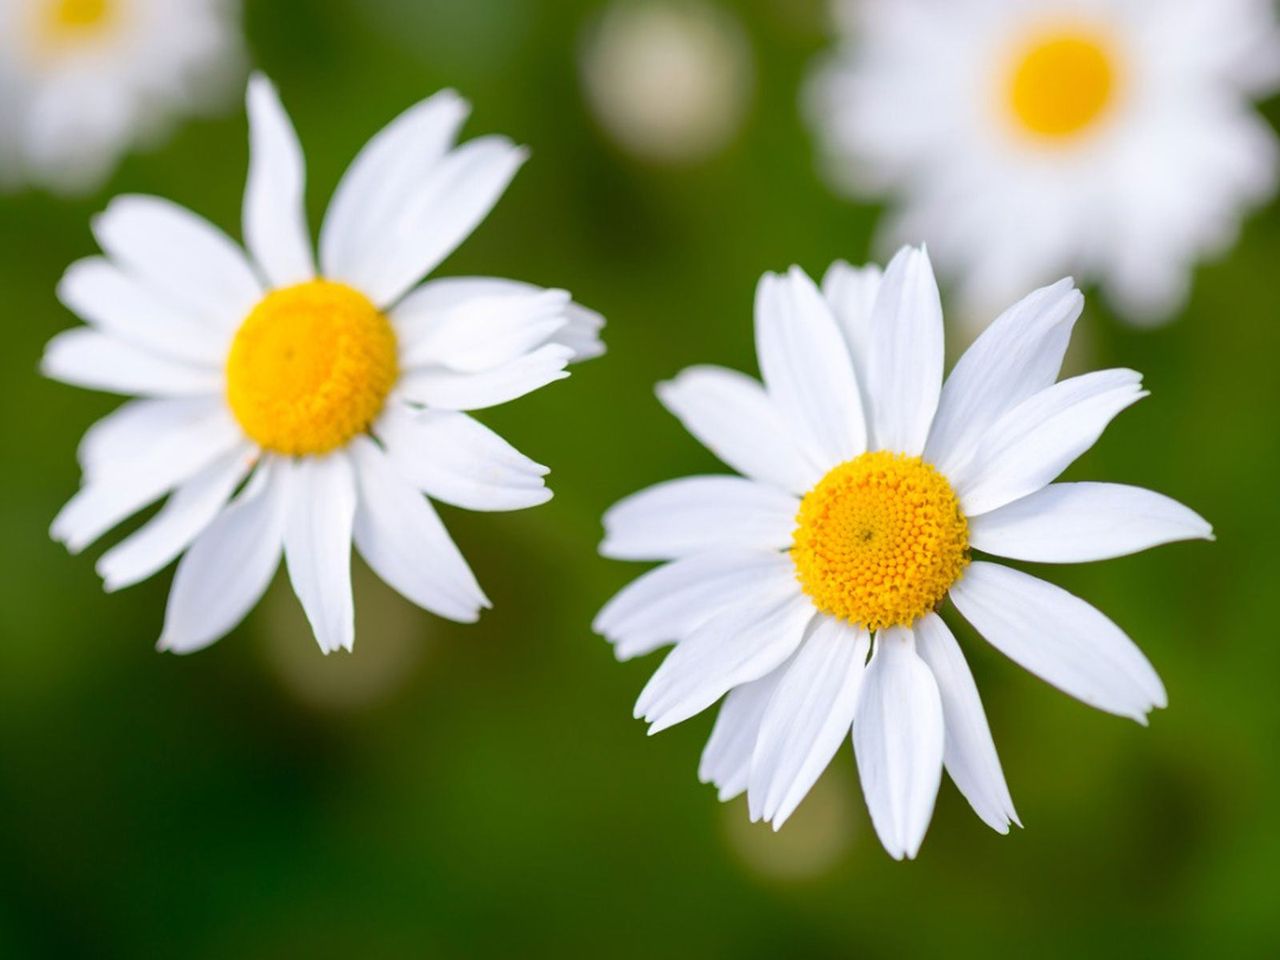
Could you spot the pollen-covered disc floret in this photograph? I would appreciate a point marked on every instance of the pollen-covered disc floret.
(310, 368)
(880, 540)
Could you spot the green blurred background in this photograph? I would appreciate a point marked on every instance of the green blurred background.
(483, 791)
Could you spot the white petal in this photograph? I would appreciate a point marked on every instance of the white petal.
(669, 602)
(681, 517)
(736, 647)
(448, 390)
(442, 211)
(807, 370)
(115, 303)
(402, 539)
(732, 416)
(580, 332)
(83, 357)
(1076, 522)
(383, 176)
(904, 368)
(188, 511)
(230, 564)
(1059, 638)
(134, 428)
(317, 546)
(182, 255)
(479, 333)
(851, 292)
(970, 755)
(898, 739)
(125, 488)
(1030, 445)
(275, 216)
(726, 759)
(1017, 356)
(453, 458)
(808, 718)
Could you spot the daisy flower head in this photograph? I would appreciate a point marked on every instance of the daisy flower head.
(83, 80)
(805, 591)
(1028, 139)
(291, 405)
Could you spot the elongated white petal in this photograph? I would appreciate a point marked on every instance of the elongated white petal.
(133, 429)
(737, 647)
(415, 315)
(182, 255)
(681, 517)
(1030, 445)
(317, 546)
(115, 303)
(451, 200)
(402, 539)
(726, 759)
(807, 370)
(808, 718)
(852, 292)
(1076, 522)
(1059, 638)
(84, 357)
(275, 215)
(230, 565)
(479, 334)
(898, 738)
(449, 390)
(669, 602)
(458, 460)
(970, 755)
(385, 174)
(733, 417)
(188, 511)
(1017, 356)
(107, 499)
(904, 367)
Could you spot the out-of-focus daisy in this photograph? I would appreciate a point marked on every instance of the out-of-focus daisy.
(83, 80)
(867, 485)
(670, 80)
(335, 394)
(1027, 139)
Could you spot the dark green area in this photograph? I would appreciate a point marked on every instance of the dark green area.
(472, 791)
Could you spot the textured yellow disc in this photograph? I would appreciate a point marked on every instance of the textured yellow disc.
(880, 540)
(310, 368)
(1062, 84)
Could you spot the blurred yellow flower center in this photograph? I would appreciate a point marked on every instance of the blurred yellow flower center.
(66, 19)
(1061, 84)
(310, 368)
(880, 540)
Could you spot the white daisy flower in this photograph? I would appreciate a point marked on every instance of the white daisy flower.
(83, 80)
(1028, 139)
(338, 393)
(866, 485)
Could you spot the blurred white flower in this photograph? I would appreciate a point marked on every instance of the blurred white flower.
(669, 80)
(805, 592)
(81, 81)
(1028, 139)
(295, 404)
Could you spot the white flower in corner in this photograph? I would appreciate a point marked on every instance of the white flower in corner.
(867, 483)
(83, 80)
(338, 393)
(1029, 139)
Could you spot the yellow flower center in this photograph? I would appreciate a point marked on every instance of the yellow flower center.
(880, 540)
(75, 19)
(1062, 83)
(310, 368)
